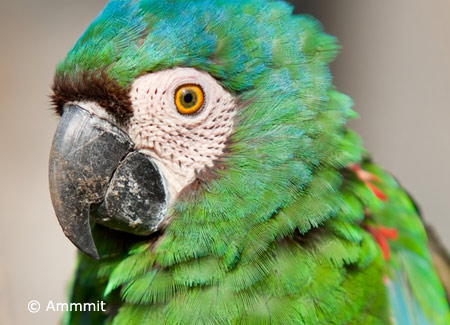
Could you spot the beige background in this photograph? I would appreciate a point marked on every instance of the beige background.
(395, 64)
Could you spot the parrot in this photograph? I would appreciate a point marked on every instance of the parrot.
(204, 168)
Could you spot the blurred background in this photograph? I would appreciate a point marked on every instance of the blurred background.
(395, 64)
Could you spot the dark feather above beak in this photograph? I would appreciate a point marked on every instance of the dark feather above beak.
(96, 175)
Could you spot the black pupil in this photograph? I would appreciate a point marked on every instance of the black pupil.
(188, 98)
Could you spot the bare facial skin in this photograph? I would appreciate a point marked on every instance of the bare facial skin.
(181, 145)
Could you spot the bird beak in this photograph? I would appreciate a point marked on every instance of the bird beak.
(96, 175)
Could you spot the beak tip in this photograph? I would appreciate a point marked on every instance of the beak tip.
(84, 241)
(94, 255)
(90, 250)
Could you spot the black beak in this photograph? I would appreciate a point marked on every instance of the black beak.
(95, 174)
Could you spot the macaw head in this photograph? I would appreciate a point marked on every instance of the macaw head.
(193, 118)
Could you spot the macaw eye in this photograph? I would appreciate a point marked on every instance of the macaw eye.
(189, 99)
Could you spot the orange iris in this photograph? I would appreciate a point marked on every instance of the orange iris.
(189, 98)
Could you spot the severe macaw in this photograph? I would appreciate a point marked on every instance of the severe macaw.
(203, 166)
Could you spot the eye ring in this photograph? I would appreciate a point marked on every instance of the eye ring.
(189, 98)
